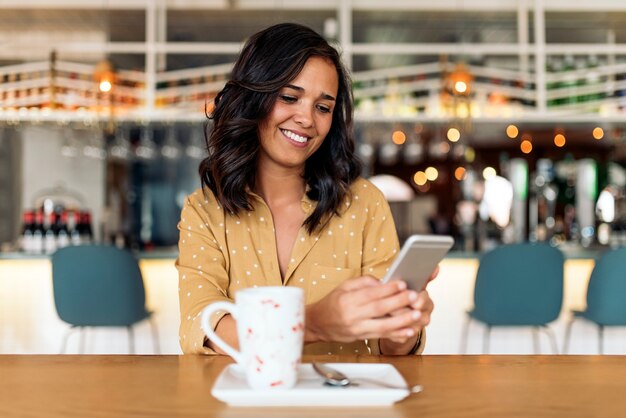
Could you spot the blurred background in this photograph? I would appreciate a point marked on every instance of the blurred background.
(495, 122)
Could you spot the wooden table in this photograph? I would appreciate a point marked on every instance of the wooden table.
(179, 386)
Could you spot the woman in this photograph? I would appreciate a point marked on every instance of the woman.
(282, 204)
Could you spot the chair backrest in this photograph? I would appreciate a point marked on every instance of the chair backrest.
(519, 284)
(606, 291)
(96, 285)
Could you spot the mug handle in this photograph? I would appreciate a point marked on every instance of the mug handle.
(229, 307)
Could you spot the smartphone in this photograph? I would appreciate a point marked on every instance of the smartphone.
(418, 257)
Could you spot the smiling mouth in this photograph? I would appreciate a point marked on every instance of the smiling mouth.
(294, 136)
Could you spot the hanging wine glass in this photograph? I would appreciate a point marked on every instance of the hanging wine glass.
(120, 148)
(196, 148)
(69, 148)
(94, 147)
(171, 148)
(146, 149)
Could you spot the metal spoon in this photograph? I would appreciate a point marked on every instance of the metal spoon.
(334, 377)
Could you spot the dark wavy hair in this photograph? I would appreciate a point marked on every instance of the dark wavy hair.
(270, 59)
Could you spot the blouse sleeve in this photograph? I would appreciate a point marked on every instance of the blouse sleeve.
(202, 273)
(380, 247)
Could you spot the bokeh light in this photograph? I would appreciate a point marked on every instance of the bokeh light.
(453, 135)
(598, 133)
(398, 137)
(512, 131)
(420, 178)
(431, 173)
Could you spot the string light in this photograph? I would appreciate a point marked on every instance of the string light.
(489, 172)
(526, 146)
(598, 133)
(559, 140)
(420, 178)
(105, 86)
(512, 131)
(460, 87)
(453, 135)
(431, 173)
(460, 173)
(398, 137)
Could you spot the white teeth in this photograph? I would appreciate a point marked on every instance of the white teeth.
(295, 137)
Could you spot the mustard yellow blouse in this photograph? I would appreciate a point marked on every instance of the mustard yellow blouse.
(221, 253)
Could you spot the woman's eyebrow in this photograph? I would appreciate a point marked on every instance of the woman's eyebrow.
(324, 96)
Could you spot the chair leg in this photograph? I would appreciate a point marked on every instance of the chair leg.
(535, 339)
(131, 339)
(155, 336)
(465, 335)
(486, 338)
(552, 338)
(568, 331)
(83, 337)
(66, 338)
(600, 339)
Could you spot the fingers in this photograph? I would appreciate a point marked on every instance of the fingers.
(403, 323)
(423, 302)
(368, 295)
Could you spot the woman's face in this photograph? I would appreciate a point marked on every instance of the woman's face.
(300, 118)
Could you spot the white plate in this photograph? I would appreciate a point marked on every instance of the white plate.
(231, 387)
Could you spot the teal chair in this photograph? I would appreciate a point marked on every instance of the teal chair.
(606, 296)
(99, 286)
(517, 285)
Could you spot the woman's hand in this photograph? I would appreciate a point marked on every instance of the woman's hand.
(362, 308)
(422, 310)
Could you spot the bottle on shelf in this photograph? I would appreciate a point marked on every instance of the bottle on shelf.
(553, 66)
(63, 239)
(569, 80)
(50, 236)
(38, 233)
(28, 228)
(84, 228)
(594, 79)
(581, 82)
(72, 224)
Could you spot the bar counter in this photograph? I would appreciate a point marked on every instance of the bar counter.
(29, 323)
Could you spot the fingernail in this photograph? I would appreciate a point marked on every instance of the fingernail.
(416, 315)
(401, 285)
(410, 332)
(412, 296)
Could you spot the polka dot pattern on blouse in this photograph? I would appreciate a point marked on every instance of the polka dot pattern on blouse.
(214, 264)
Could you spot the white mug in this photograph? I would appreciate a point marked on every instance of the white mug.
(270, 327)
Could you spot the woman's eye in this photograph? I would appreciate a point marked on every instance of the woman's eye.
(324, 109)
(288, 99)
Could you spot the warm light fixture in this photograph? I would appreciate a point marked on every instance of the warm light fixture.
(104, 75)
(453, 134)
(105, 86)
(559, 140)
(420, 178)
(489, 172)
(461, 79)
(459, 173)
(598, 133)
(431, 173)
(398, 137)
(526, 146)
(512, 131)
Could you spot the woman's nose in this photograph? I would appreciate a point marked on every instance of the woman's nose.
(303, 116)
